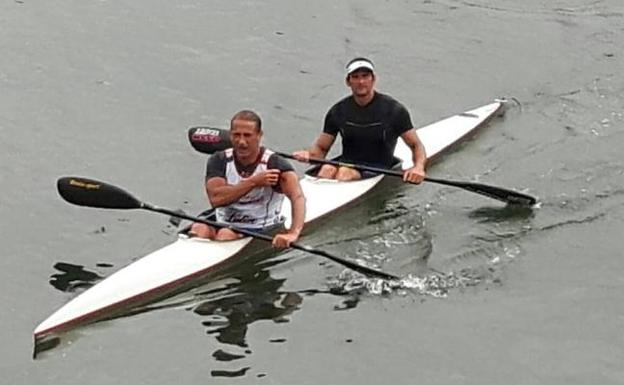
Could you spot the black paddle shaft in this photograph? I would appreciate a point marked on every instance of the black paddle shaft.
(264, 237)
(93, 193)
(502, 194)
(208, 140)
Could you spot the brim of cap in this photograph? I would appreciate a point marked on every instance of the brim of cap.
(360, 65)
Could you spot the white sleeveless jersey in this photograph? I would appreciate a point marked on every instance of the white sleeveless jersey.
(260, 207)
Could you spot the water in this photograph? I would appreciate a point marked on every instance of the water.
(491, 294)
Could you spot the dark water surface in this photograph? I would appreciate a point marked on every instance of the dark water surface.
(495, 295)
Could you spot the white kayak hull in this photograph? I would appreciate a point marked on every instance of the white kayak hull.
(164, 271)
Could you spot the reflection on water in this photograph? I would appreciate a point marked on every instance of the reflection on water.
(227, 304)
(73, 277)
(220, 355)
(349, 303)
(229, 312)
(228, 318)
(229, 373)
(508, 213)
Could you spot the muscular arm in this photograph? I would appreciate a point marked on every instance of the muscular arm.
(289, 184)
(416, 173)
(222, 194)
(419, 156)
(323, 143)
(321, 147)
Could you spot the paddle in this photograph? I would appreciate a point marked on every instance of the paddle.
(209, 140)
(93, 193)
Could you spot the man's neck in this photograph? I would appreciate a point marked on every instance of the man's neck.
(364, 100)
(248, 160)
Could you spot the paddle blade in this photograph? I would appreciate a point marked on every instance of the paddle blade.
(93, 193)
(208, 139)
(502, 194)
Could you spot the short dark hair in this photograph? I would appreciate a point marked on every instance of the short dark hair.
(249, 116)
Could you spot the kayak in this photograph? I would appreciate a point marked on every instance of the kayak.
(187, 260)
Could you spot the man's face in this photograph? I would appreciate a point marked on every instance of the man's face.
(361, 82)
(245, 138)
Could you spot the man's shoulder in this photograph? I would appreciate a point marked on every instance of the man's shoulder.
(220, 156)
(391, 104)
(216, 165)
(219, 159)
(342, 102)
(279, 162)
(385, 98)
(275, 157)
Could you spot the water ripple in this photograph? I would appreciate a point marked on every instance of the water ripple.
(435, 284)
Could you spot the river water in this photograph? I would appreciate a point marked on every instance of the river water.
(498, 295)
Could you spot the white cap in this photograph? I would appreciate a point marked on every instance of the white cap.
(359, 63)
